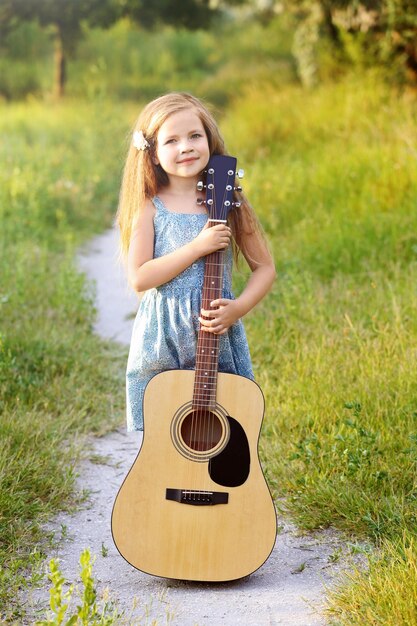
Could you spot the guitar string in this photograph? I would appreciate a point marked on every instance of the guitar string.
(220, 255)
(213, 339)
(204, 347)
(217, 259)
(213, 294)
(199, 411)
(207, 340)
(204, 420)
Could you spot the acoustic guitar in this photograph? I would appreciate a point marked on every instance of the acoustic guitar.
(195, 504)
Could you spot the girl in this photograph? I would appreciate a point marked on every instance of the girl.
(165, 237)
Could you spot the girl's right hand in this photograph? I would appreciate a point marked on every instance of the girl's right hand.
(212, 238)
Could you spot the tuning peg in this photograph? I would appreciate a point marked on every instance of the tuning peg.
(200, 185)
(240, 173)
(238, 188)
(200, 201)
(236, 204)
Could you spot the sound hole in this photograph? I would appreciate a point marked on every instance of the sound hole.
(201, 430)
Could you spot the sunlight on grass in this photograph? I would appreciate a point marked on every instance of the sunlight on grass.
(332, 174)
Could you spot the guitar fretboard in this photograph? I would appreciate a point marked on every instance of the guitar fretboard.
(207, 356)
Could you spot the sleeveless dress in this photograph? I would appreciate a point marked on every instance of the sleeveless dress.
(164, 334)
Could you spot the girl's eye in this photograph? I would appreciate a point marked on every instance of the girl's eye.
(196, 135)
(169, 141)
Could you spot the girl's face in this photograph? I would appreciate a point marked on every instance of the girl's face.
(182, 148)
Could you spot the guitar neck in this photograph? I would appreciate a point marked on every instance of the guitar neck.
(207, 356)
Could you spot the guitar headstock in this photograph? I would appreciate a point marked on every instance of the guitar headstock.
(220, 186)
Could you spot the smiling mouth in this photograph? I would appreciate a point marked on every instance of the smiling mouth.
(190, 160)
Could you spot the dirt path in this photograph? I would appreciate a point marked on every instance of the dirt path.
(288, 589)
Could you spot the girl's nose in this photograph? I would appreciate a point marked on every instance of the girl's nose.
(185, 146)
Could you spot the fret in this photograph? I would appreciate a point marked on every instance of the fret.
(208, 353)
(207, 374)
(206, 385)
(211, 405)
(203, 395)
(213, 263)
(210, 350)
(199, 395)
(205, 388)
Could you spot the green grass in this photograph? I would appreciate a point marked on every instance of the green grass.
(333, 176)
(126, 62)
(59, 182)
(387, 595)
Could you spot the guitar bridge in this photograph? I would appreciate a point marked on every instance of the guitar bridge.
(197, 497)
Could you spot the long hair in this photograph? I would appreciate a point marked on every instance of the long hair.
(142, 178)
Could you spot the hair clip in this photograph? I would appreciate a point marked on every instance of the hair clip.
(139, 140)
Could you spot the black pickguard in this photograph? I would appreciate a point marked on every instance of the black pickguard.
(231, 467)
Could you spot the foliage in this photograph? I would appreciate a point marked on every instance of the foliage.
(333, 177)
(332, 174)
(379, 31)
(328, 37)
(386, 595)
(65, 15)
(206, 63)
(88, 612)
(68, 16)
(59, 181)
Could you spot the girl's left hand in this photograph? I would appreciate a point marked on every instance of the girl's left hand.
(220, 319)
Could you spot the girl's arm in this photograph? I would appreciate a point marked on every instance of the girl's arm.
(145, 272)
(260, 281)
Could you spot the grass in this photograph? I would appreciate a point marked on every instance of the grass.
(332, 175)
(127, 62)
(386, 595)
(58, 381)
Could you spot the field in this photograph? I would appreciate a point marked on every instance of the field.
(58, 381)
(332, 174)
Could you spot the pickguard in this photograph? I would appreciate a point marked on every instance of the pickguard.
(231, 467)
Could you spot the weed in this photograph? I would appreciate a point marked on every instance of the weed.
(88, 612)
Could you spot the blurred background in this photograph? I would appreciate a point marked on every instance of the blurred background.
(122, 49)
(317, 99)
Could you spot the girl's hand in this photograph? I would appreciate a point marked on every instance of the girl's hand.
(220, 319)
(212, 238)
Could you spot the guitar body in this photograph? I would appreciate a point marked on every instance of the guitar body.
(196, 509)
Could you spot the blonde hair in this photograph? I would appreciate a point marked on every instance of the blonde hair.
(142, 178)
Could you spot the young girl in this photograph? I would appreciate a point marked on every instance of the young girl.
(165, 237)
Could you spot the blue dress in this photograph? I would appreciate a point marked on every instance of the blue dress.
(165, 330)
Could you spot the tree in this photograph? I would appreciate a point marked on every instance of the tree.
(388, 28)
(66, 18)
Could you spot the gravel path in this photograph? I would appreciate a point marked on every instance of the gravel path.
(288, 589)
